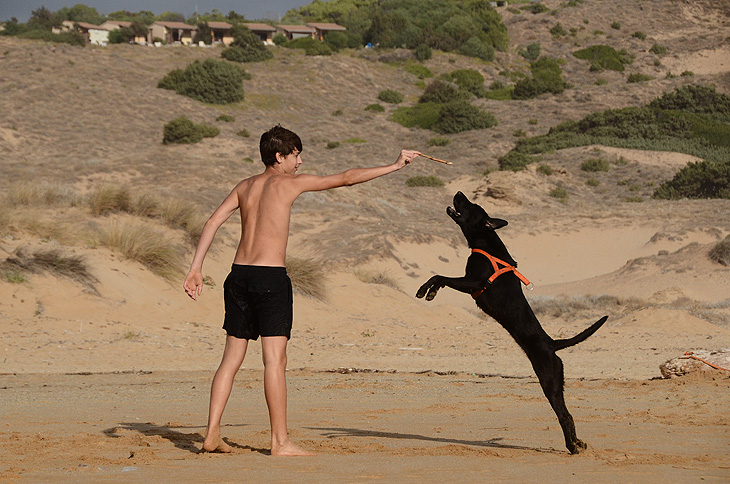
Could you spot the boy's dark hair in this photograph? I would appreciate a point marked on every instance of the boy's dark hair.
(278, 140)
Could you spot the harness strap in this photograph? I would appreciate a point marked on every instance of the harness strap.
(498, 271)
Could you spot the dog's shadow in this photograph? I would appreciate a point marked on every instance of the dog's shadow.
(335, 432)
(189, 441)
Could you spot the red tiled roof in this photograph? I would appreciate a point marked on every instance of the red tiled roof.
(88, 26)
(219, 25)
(121, 23)
(296, 28)
(261, 27)
(176, 25)
(327, 26)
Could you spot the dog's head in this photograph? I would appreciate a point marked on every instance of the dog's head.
(473, 219)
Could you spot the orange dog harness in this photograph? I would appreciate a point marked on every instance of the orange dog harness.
(498, 271)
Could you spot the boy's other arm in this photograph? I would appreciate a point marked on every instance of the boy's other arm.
(193, 284)
(353, 176)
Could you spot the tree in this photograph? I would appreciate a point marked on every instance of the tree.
(44, 19)
(81, 13)
(203, 34)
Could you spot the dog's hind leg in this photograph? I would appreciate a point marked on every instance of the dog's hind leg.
(549, 369)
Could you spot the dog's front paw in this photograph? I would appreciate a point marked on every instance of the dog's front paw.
(429, 289)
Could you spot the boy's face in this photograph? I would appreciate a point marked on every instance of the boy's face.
(290, 163)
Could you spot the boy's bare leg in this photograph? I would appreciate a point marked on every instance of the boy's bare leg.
(273, 349)
(220, 390)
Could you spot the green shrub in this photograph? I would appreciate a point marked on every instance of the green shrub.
(720, 253)
(72, 38)
(531, 52)
(515, 161)
(237, 54)
(639, 35)
(335, 40)
(475, 47)
(559, 193)
(638, 77)
(280, 39)
(116, 36)
(332, 145)
(210, 81)
(592, 182)
(422, 52)
(390, 96)
(594, 164)
(468, 80)
(422, 115)
(558, 30)
(501, 94)
(425, 181)
(182, 130)
(419, 70)
(376, 108)
(696, 99)
(244, 133)
(246, 46)
(458, 116)
(704, 179)
(616, 25)
(536, 8)
(545, 169)
(634, 199)
(604, 57)
(318, 48)
(355, 140)
(300, 43)
(687, 74)
(658, 49)
(440, 91)
(438, 142)
(227, 118)
(546, 77)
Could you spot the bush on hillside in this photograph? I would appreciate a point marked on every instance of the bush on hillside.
(318, 48)
(546, 77)
(720, 253)
(476, 47)
(468, 80)
(704, 179)
(531, 52)
(638, 77)
(458, 116)
(390, 96)
(422, 52)
(183, 131)
(211, 81)
(424, 181)
(604, 57)
(442, 92)
(422, 115)
(696, 99)
(72, 38)
(246, 46)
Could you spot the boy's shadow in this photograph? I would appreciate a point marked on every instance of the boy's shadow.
(181, 440)
(334, 432)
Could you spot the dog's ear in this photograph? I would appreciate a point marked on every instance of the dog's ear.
(495, 223)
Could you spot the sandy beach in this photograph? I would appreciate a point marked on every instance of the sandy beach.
(105, 372)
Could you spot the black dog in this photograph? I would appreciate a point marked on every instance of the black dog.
(494, 283)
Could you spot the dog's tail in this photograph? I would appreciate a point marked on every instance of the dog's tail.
(564, 343)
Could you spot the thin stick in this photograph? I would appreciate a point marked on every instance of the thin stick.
(436, 159)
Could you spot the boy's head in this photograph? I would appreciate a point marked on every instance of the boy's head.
(278, 140)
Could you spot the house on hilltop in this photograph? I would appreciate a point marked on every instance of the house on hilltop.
(121, 24)
(94, 34)
(295, 31)
(221, 32)
(320, 29)
(265, 32)
(172, 32)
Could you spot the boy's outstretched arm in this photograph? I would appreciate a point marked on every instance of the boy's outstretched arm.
(353, 176)
(193, 284)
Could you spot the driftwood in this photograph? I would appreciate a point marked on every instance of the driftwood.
(697, 361)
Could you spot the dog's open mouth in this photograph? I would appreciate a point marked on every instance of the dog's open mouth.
(451, 211)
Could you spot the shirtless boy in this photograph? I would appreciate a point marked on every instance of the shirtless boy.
(257, 292)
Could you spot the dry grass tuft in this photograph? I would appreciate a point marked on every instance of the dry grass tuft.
(720, 253)
(32, 194)
(181, 214)
(581, 306)
(142, 243)
(52, 261)
(109, 199)
(307, 277)
(373, 277)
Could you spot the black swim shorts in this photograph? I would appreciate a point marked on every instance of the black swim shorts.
(258, 302)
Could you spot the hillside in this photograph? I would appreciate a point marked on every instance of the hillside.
(80, 118)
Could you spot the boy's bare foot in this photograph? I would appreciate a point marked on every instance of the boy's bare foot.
(214, 443)
(289, 450)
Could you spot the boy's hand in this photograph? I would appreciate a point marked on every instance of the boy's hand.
(406, 157)
(193, 284)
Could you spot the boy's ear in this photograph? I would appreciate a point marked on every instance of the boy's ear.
(279, 157)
